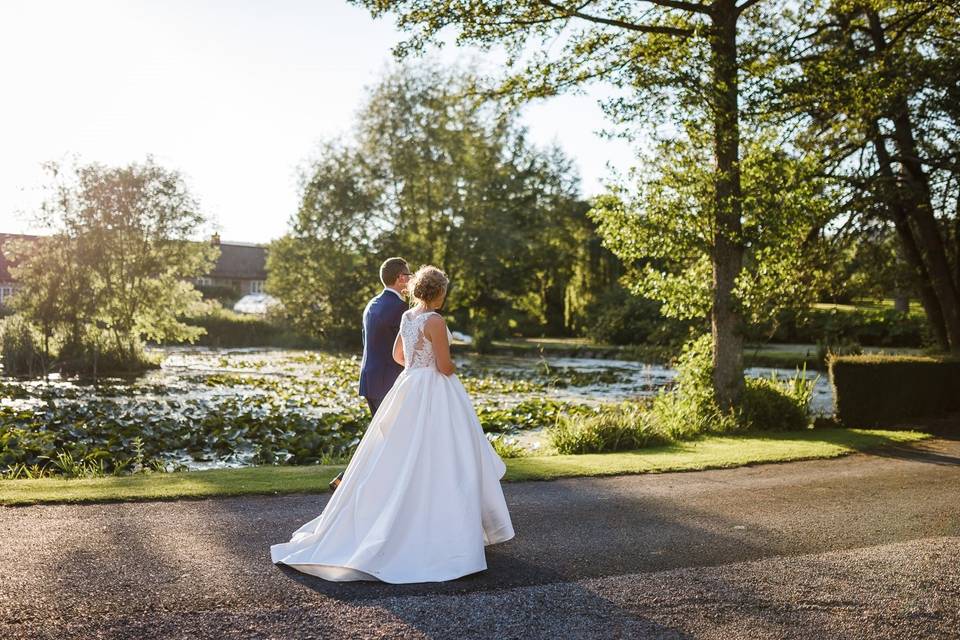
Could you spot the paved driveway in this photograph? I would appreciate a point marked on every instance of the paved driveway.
(866, 546)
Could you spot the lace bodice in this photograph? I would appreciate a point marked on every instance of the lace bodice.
(417, 349)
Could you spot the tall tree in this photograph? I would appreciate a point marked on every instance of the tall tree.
(320, 269)
(876, 86)
(662, 227)
(670, 55)
(119, 260)
(436, 176)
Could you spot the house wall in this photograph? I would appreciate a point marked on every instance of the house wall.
(7, 290)
(242, 285)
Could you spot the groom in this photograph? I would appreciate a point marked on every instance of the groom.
(381, 324)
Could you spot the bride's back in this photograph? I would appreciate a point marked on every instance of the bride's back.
(417, 348)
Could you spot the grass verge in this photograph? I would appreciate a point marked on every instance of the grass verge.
(707, 453)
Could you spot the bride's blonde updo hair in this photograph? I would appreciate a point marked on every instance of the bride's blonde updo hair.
(428, 283)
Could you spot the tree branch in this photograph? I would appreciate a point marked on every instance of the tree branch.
(746, 5)
(622, 24)
(693, 7)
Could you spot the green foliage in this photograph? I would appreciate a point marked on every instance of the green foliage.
(874, 93)
(94, 351)
(225, 328)
(716, 452)
(533, 413)
(324, 270)
(767, 406)
(225, 294)
(73, 436)
(890, 390)
(591, 288)
(437, 176)
(115, 271)
(618, 427)
(621, 318)
(829, 349)
(686, 412)
(663, 229)
(302, 410)
(507, 447)
(690, 407)
(20, 353)
(879, 326)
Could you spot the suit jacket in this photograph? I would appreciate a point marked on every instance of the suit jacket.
(381, 324)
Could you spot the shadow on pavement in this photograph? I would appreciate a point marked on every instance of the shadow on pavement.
(572, 530)
(101, 566)
(919, 452)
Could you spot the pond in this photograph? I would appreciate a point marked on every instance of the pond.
(597, 380)
(214, 408)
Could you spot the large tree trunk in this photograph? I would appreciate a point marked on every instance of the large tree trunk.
(956, 239)
(726, 323)
(916, 194)
(911, 252)
(930, 241)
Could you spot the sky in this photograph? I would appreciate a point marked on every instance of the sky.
(233, 94)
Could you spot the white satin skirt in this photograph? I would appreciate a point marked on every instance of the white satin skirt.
(420, 498)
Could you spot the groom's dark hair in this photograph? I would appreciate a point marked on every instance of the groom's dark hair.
(391, 269)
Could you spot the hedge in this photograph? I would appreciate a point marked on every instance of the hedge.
(228, 329)
(883, 390)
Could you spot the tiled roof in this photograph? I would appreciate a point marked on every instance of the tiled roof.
(236, 262)
(241, 262)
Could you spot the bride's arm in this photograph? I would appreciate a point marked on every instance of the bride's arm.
(436, 330)
(398, 350)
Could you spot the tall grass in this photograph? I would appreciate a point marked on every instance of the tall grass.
(686, 411)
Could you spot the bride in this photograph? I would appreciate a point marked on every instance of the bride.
(421, 497)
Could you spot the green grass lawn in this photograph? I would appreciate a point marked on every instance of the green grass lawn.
(764, 356)
(708, 453)
(885, 304)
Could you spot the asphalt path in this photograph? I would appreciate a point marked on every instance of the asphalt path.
(866, 546)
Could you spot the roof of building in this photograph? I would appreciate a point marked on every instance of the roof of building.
(241, 262)
(237, 261)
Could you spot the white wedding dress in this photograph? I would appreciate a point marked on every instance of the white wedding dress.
(421, 497)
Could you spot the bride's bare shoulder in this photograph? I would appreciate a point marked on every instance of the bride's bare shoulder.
(436, 320)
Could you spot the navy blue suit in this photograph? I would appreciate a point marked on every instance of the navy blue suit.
(381, 324)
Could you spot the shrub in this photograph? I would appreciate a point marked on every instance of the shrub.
(93, 351)
(882, 390)
(690, 408)
(619, 427)
(223, 293)
(18, 347)
(826, 350)
(506, 448)
(226, 328)
(97, 353)
(766, 405)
